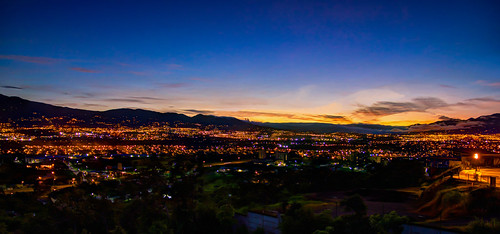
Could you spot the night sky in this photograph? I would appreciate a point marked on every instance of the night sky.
(386, 62)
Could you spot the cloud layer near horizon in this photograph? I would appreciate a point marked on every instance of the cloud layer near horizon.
(191, 96)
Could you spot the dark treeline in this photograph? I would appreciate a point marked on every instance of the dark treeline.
(179, 195)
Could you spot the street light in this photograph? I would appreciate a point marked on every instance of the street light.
(476, 157)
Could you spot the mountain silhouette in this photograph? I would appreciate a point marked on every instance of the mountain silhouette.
(23, 112)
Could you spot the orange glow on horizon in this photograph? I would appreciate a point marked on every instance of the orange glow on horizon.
(406, 119)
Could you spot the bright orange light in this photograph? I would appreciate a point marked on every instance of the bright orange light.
(476, 156)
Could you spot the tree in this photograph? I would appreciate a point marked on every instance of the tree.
(352, 224)
(225, 215)
(388, 223)
(298, 219)
(354, 203)
(483, 227)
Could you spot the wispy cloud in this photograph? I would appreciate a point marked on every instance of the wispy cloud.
(447, 86)
(31, 59)
(193, 111)
(389, 108)
(85, 70)
(338, 118)
(85, 95)
(486, 83)
(483, 99)
(10, 87)
(332, 116)
(172, 85)
(93, 105)
(125, 100)
(173, 66)
(430, 108)
(335, 119)
(149, 98)
(136, 99)
(264, 116)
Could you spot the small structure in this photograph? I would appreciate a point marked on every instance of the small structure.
(283, 156)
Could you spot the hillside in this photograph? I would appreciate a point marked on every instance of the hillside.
(25, 113)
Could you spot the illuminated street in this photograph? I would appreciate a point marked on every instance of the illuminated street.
(483, 174)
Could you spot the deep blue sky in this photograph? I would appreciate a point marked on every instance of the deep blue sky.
(395, 62)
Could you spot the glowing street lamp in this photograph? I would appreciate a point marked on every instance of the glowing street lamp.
(476, 157)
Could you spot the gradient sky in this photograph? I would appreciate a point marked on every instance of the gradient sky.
(387, 62)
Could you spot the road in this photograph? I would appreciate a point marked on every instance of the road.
(226, 163)
(484, 174)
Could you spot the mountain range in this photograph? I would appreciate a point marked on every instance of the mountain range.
(23, 112)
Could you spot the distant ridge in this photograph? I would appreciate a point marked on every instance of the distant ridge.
(487, 124)
(25, 113)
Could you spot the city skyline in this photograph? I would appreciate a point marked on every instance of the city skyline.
(342, 62)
